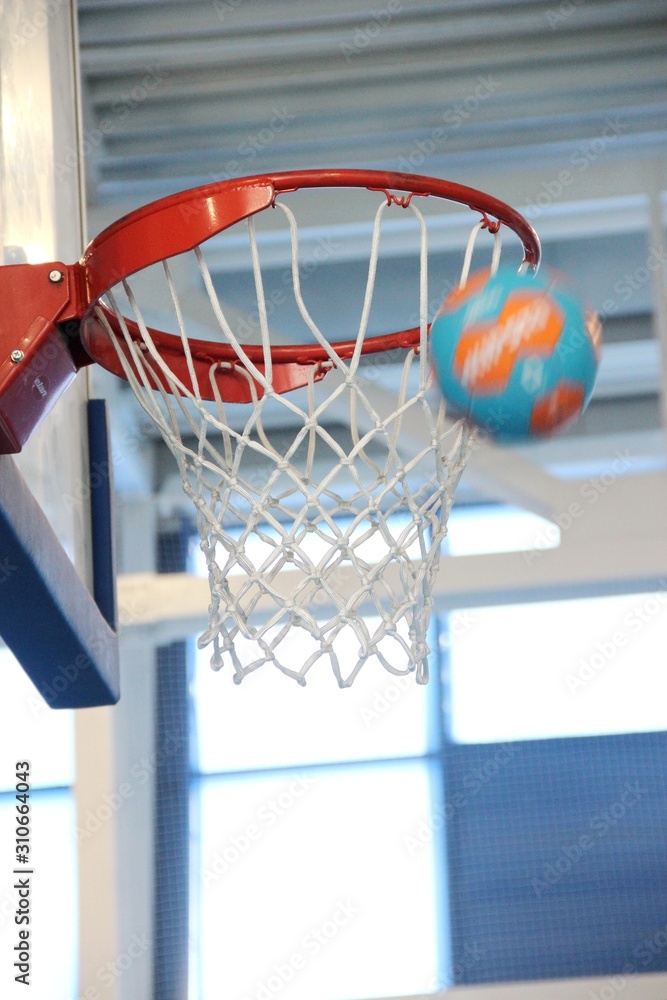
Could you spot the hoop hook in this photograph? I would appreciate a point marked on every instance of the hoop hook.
(487, 223)
(403, 201)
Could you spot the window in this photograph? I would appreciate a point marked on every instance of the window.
(44, 738)
(560, 668)
(479, 530)
(555, 770)
(306, 800)
(506, 822)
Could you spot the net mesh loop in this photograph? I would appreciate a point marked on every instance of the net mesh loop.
(318, 549)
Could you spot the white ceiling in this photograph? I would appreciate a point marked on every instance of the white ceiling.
(357, 89)
(559, 108)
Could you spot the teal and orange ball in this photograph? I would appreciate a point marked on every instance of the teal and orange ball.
(516, 354)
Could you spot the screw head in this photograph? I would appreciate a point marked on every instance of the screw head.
(55, 276)
(17, 356)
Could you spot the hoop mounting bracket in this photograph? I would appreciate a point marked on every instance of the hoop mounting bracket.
(40, 352)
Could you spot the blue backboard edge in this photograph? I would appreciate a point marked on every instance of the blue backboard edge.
(63, 638)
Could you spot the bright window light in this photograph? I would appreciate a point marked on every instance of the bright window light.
(53, 929)
(270, 720)
(311, 886)
(31, 731)
(30, 728)
(477, 530)
(563, 668)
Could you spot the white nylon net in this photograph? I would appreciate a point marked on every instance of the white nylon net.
(319, 545)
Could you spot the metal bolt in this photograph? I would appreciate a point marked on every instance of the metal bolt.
(17, 356)
(56, 277)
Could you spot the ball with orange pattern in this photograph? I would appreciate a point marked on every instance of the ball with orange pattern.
(516, 354)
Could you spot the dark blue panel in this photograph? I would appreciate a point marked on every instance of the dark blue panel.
(101, 511)
(172, 795)
(558, 857)
(47, 617)
(172, 873)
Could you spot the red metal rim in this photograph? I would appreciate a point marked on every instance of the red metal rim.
(294, 365)
(209, 352)
(180, 222)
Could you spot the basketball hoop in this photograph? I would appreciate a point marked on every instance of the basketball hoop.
(334, 542)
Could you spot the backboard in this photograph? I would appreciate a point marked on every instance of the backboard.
(41, 220)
